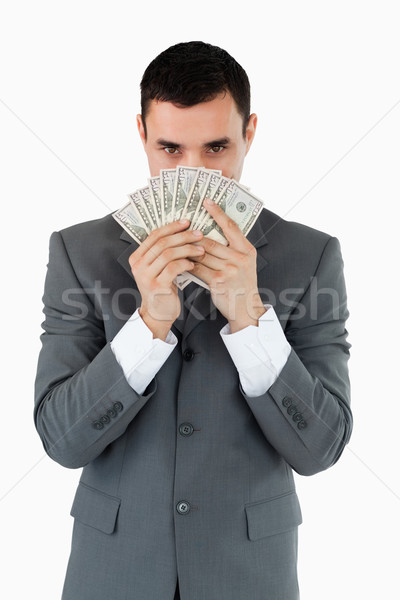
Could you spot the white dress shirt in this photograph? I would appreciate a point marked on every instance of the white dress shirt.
(259, 353)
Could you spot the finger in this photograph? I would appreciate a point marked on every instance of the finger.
(172, 254)
(212, 277)
(163, 238)
(210, 261)
(231, 230)
(160, 232)
(173, 269)
(217, 249)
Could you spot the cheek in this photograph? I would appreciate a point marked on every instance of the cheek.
(231, 165)
(157, 160)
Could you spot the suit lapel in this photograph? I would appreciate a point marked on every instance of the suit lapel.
(123, 258)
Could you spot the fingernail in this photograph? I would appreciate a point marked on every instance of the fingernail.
(209, 202)
(183, 221)
(197, 233)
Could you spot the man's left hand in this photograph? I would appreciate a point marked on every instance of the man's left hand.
(230, 272)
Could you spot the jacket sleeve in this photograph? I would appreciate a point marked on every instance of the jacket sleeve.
(305, 415)
(83, 401)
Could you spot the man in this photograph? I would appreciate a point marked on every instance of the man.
(189, 411)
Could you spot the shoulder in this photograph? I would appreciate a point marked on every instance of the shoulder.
(95, 236)
(294, 248)
(276, 226)
(293, 237)
(103, 229)
(89, 248)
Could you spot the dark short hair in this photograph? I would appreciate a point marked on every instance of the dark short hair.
(192, 72)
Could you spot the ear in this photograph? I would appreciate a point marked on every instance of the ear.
(140, 126)
(251, 131)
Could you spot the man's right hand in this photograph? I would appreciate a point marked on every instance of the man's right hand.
(155, 264)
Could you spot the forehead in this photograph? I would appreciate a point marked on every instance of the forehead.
(208, 120)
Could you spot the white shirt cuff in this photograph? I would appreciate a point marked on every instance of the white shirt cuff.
(259, 353)
(139, 354)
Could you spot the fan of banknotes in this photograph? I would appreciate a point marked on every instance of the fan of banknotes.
(178, 194)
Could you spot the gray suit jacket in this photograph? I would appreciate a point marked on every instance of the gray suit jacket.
(193, 478)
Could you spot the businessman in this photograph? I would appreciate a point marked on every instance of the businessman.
(189, 411)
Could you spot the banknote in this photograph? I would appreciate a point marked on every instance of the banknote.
(204, 219)
(131, 221)
(184, 179)
(143, 196)
(167, 187)
(179, 193)
(213, 192)
(141, 209)
(240, 205)
(204, 183)
(155, 193)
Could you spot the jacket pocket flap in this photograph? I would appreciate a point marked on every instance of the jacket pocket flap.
(273, 516)
(95, 508)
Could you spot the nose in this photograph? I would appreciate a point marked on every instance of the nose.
(192, 159)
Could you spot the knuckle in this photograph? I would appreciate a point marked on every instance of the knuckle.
(153, 236)
(167, 254)
(231, 224)
(153, 286)
(162, 244)
(169, 269)
(134, 262)
(218, 278)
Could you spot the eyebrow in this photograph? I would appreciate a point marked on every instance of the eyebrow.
(221, 142)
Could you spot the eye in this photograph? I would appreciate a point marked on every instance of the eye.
(216, 149)
(171, 150)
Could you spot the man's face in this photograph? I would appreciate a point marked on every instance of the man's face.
(209, 134)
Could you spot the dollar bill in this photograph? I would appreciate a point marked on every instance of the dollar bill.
(240, 205)
(145, 194)
(167, 185)
(131, 221)
(196, 193)
(184, 179)
(137, 202)
(214, 193)
(155, 193)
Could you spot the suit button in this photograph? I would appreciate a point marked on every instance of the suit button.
(183, 507)
(112, 413)
(105, 419)
(188, 354)
(287, 401)
(297, 417)
(118, 406)
(292, 410)
(302, 424)
(98, 425)
(186, 429)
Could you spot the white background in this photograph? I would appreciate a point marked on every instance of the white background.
(326, 89)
